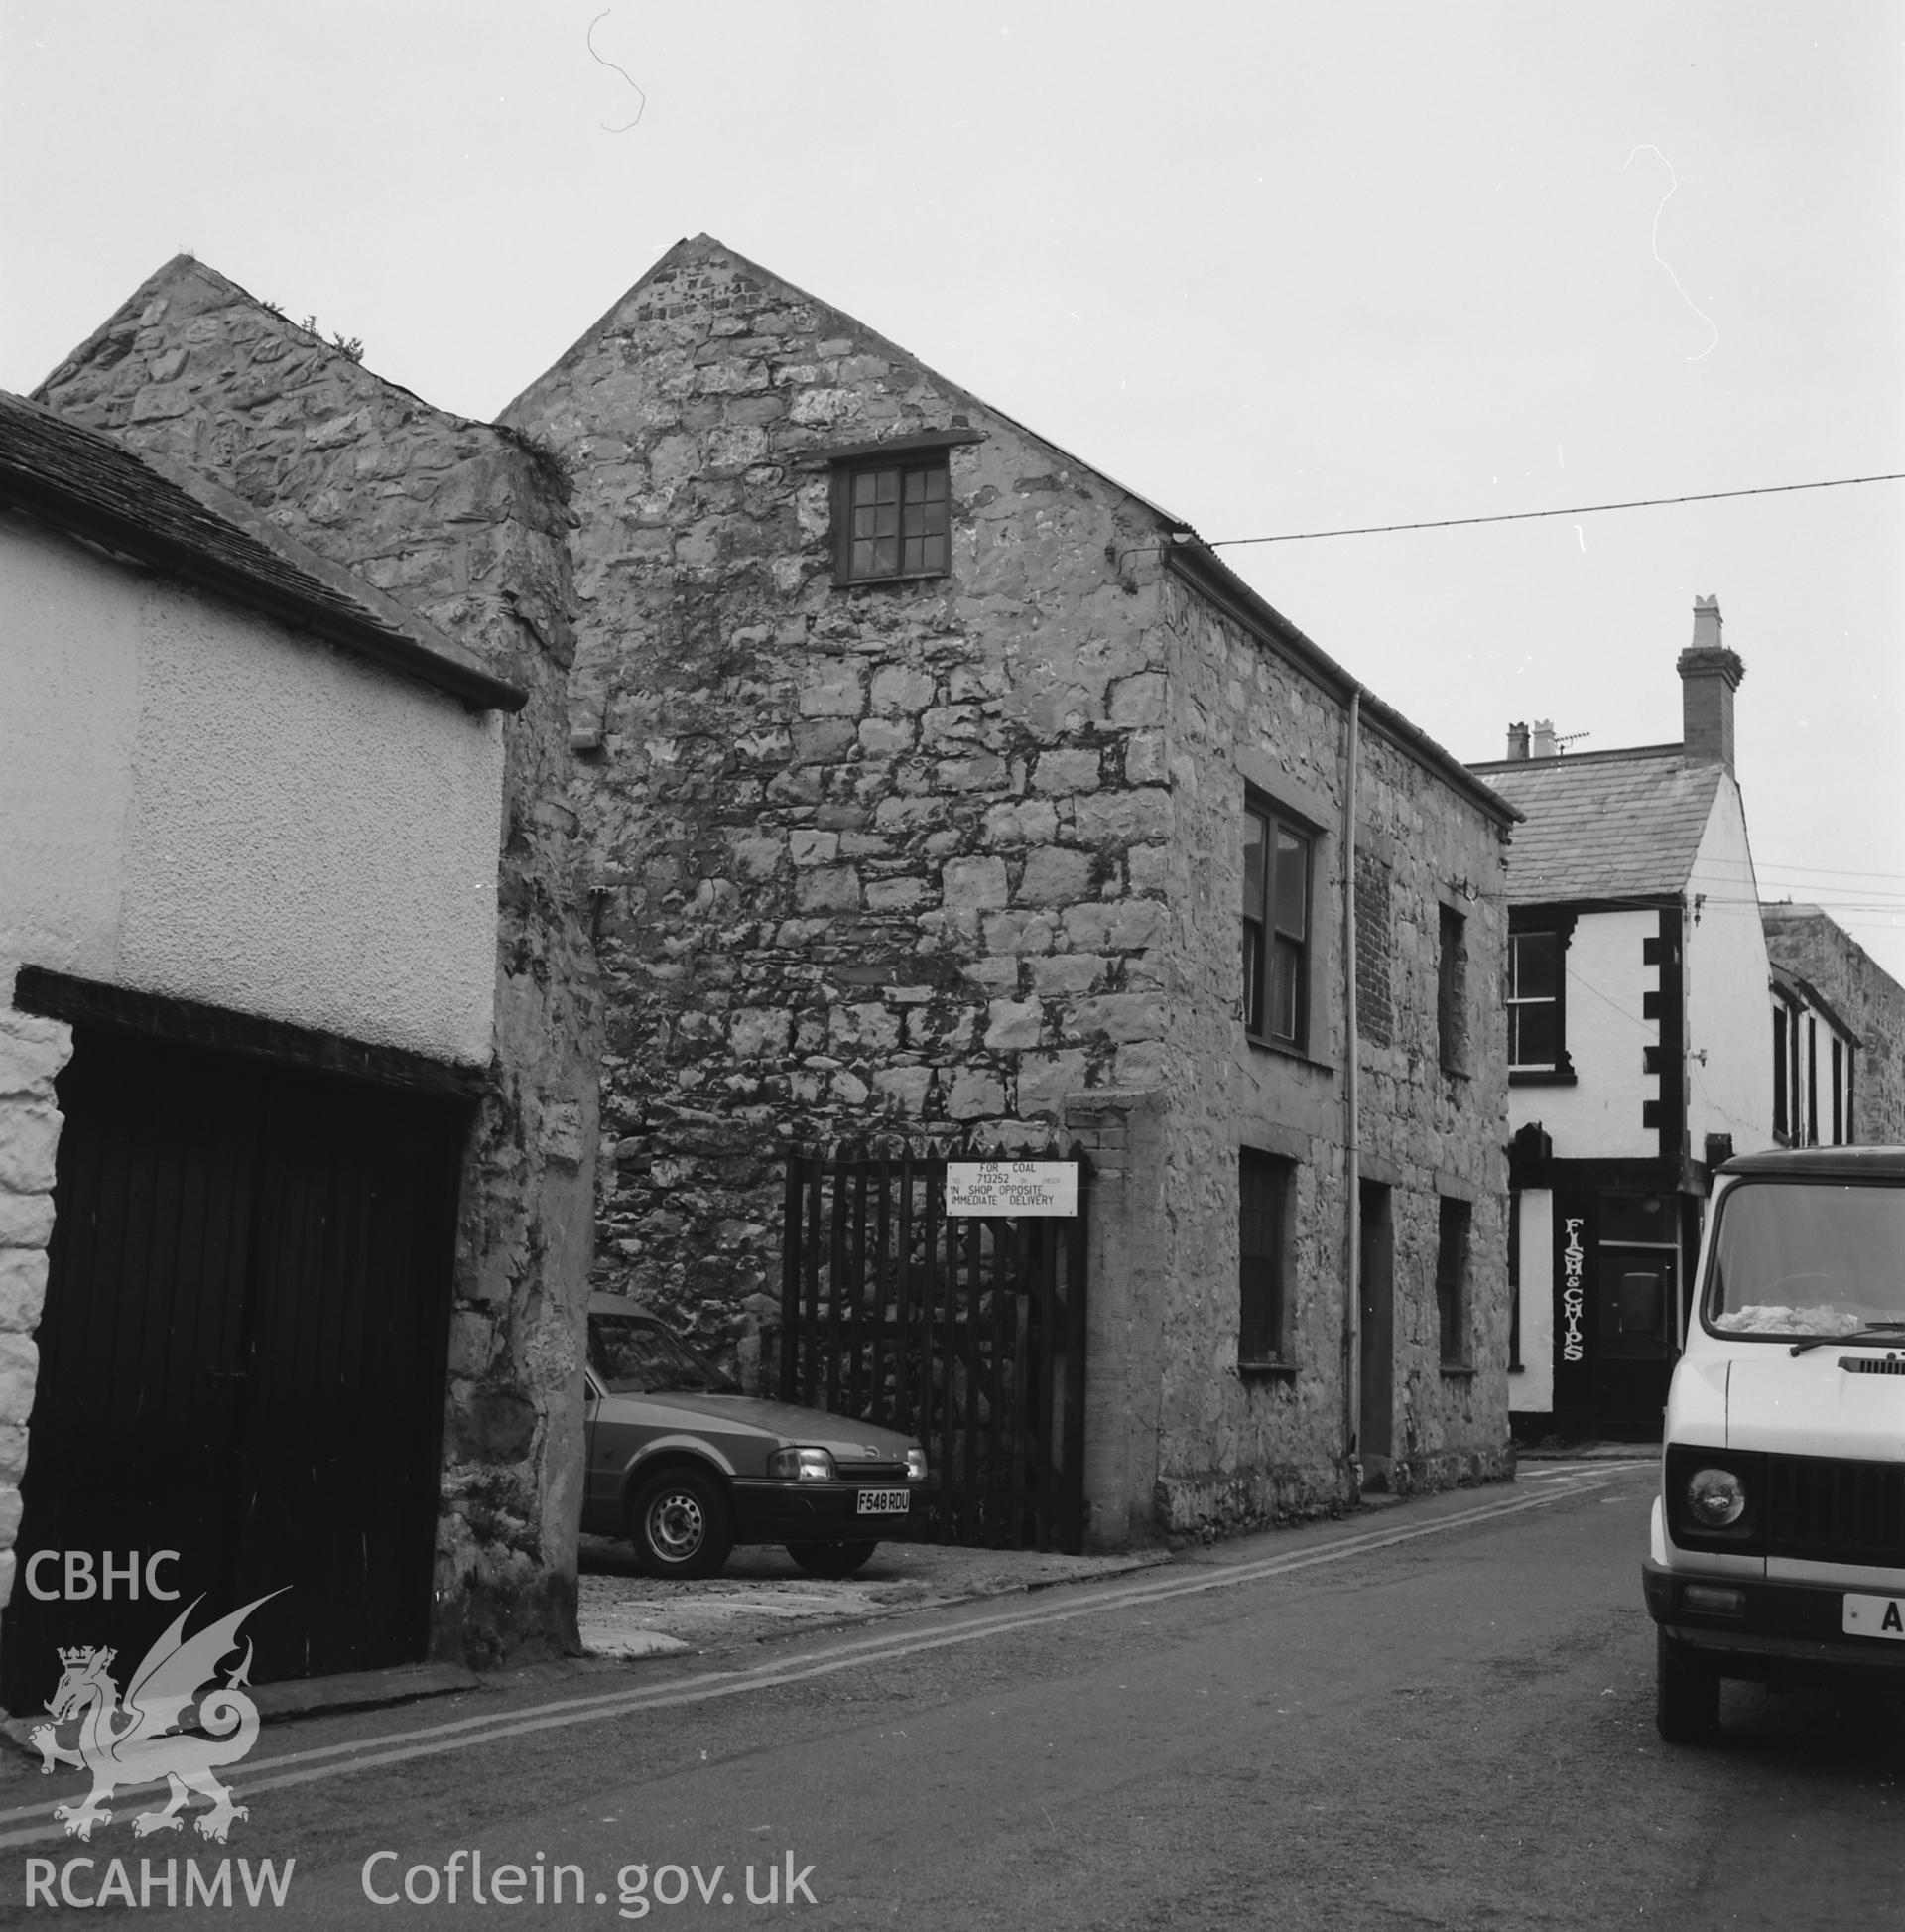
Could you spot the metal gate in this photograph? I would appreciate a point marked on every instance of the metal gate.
(967, 1332)
(241, 1356)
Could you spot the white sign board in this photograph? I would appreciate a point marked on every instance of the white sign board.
(1011, 1186)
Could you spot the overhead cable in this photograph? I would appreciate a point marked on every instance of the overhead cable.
(1580, 510)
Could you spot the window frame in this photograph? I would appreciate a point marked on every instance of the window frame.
(1560, 927)
(1782, 1098)
(932, 460)
(1256, 966)
(1275, 1176)
(1796, 1120)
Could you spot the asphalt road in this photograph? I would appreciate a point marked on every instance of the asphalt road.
(1440, 1714)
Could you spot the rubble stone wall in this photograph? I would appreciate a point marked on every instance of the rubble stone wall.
(1242, 1447)
(1430, 1133)
(31, 1051)
(889, 858)
(465, 524)
(1129, 1277)
(964, 855)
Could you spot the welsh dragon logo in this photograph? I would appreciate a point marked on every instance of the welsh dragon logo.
(140, 1742)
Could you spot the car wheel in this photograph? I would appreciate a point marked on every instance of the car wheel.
(1687, 1694)
(679, 1524)
(831, 1559)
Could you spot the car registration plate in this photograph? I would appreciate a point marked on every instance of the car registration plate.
(884, 1503)
(1874, 1616)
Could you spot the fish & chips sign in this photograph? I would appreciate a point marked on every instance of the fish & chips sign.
(1572, 1295)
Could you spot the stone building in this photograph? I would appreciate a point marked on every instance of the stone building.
(1865, 1030)
(456, 530)
(932, 782)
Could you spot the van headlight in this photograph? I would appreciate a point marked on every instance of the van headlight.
(1716, 1499)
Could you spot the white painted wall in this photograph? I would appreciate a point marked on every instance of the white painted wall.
(1534, 1389)
(1729, 1014)
(199, 802)
(1810, 1109)
(1599, 1116)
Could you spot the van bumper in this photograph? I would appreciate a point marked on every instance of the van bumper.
(1778, 1631)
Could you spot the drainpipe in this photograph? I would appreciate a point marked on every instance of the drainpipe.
(1352, 1126)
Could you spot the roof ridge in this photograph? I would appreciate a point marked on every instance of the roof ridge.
(165, 277)
(1676, 749)
(707, 243)
(1611, 826)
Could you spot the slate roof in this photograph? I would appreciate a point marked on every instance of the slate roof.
(171, 520)
(1604, 825)
(1809, 995)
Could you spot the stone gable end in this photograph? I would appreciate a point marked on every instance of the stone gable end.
(924, 824)
(465, 524)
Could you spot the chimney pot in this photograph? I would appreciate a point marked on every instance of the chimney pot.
(1545, 746)
(1710, 674)
(1518, 740)
(1707, 624)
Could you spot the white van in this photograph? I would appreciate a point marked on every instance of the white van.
(1779, 1531)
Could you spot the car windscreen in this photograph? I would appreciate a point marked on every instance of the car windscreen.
(1806, 1258)
(635, 1358)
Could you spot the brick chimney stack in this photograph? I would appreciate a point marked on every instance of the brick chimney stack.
(1710, 674)
(1517, 742)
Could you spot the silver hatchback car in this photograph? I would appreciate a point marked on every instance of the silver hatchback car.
(685, 1466)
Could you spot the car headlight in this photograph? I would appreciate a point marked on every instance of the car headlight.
(802, 1465)
(1716, 1499)
(916, 1466)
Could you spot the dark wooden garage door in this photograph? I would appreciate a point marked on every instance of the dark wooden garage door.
(242, 1356)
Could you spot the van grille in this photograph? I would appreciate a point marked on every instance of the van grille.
(1834, 1511)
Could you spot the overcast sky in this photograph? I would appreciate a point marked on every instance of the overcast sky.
(1278, 267)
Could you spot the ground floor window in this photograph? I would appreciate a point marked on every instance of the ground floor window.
(1451, 1282)
(1264, 1185)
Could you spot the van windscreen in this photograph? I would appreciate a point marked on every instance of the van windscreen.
(1807, 1258)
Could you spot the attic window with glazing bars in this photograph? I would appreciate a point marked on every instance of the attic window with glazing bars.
(892, 517)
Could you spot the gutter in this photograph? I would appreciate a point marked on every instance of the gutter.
(1351, 1117)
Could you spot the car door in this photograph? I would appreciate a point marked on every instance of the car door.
(615, 1427)
(602, 1486)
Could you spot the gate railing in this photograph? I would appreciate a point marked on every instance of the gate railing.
(965, 1331)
